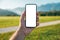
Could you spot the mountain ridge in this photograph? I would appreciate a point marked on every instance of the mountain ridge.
(49, 7)
(4, 12)
(42, 8)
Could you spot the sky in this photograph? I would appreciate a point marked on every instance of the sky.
(11, 4)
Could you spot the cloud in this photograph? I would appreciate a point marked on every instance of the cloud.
(10, 4)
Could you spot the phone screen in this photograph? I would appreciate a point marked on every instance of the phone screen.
(31, 15)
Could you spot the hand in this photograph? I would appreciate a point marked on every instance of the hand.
(23, 25)
(23, 30)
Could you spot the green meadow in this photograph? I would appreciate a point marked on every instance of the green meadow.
(43, 33)
(48, 18)
(9, 21)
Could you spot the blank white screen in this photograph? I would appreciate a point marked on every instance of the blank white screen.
(30, 15)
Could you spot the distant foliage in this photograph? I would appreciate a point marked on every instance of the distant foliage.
(7, 13)
(50, 13)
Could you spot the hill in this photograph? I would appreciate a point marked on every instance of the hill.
(49, 7)
(7, 13)
(43, 8)
(18, 10)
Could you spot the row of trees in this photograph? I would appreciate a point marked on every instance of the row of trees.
(50, 13)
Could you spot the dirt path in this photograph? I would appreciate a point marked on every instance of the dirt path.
(9, 29)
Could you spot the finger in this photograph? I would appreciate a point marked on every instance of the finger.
(37, 18)
(37, 23)
(23, 15)
(37, 13)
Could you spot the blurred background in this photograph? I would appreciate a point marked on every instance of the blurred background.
(49, 11)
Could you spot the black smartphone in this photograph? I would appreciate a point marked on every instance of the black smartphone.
(31, 15)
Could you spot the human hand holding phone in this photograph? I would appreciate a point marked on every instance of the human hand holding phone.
(27, 30)
(23, 30)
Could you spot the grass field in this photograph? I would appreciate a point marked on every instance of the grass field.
(8, 21)
(48, 18)
(44, 33)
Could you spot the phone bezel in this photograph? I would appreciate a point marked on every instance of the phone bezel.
(25, 16)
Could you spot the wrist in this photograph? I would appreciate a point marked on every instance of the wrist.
(21, 30)
(21, 34)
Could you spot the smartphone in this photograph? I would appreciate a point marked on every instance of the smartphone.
(31, 15)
